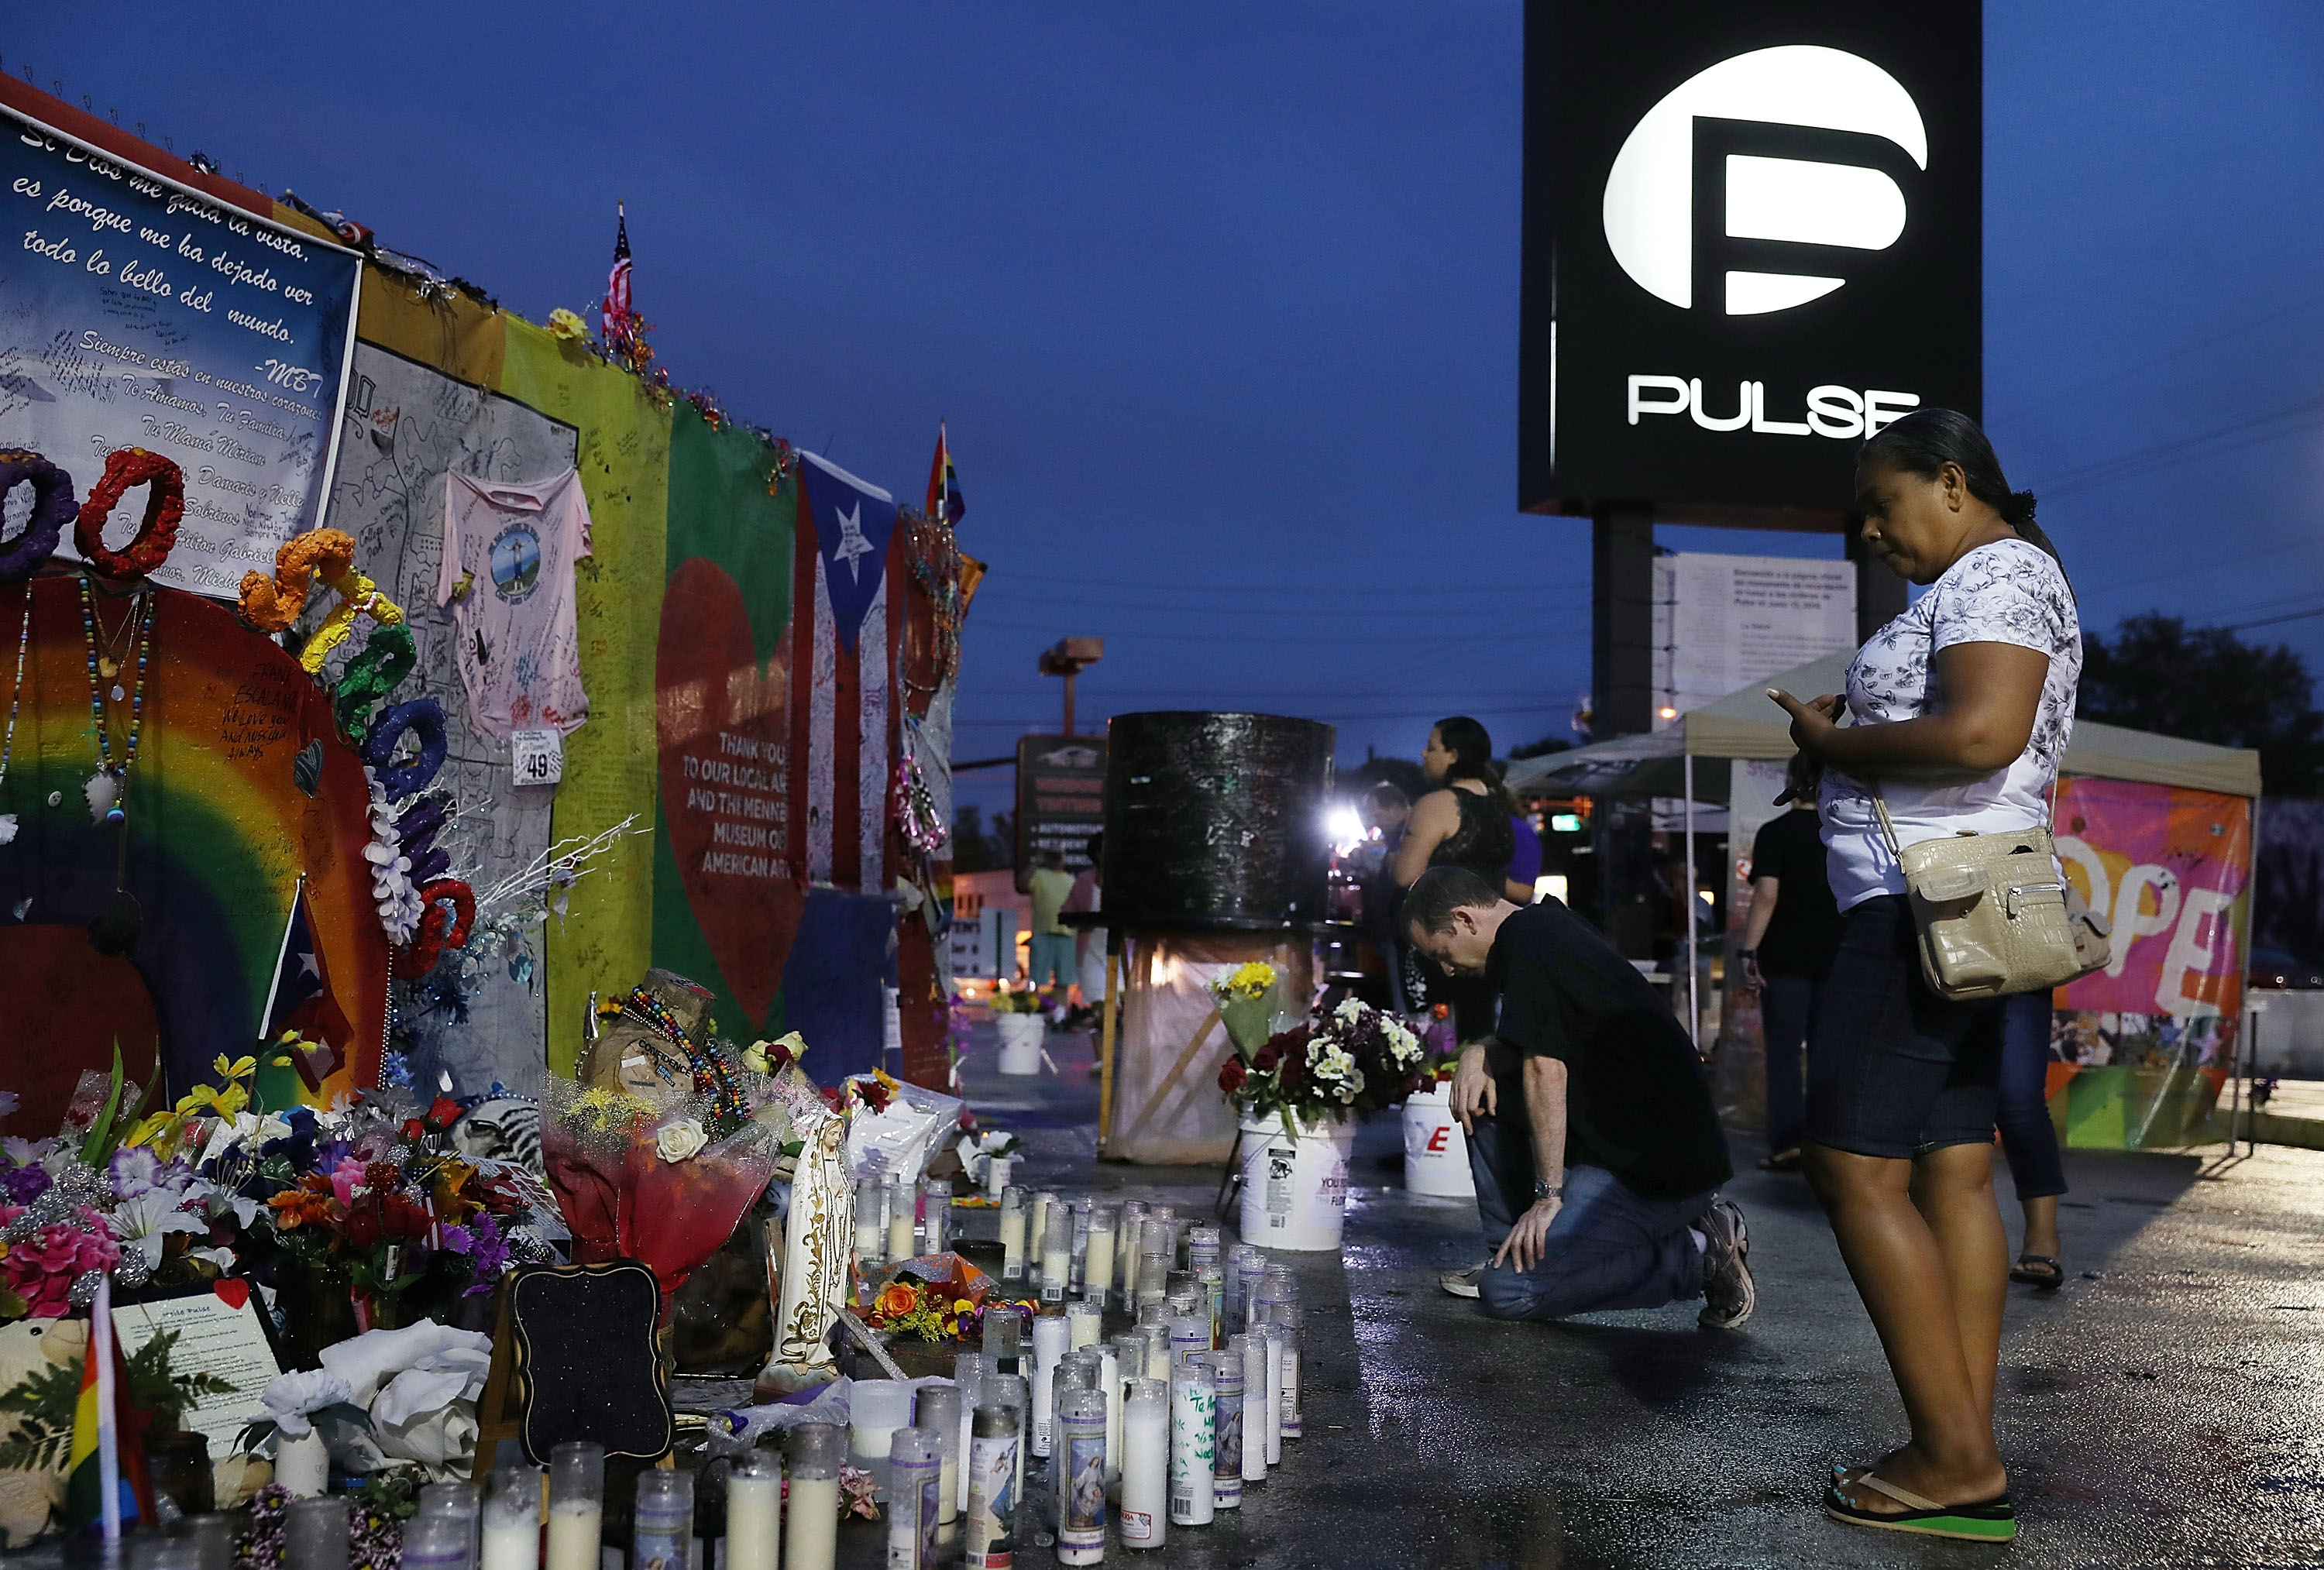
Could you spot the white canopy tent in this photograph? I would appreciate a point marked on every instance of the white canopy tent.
(1748, 724)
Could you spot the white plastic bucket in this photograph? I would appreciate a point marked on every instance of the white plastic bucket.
(1020, 1042)
(1294, 1189)
(1435, 1151)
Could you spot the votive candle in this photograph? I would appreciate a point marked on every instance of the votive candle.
(1146, 1465)
(576, 1504)
(1012, 1234)
(755, 1509)
(811, 1521)
(1194, 1439)
(512, 1521)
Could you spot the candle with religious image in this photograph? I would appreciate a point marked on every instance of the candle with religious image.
(1226, 1370)
(1194, 1439)
(1081, 1467)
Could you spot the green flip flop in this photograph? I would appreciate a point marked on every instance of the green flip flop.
(1992, 1520)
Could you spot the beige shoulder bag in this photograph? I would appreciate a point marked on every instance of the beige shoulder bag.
(1993, 914)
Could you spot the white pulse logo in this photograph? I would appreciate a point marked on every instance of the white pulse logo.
(1649, 209)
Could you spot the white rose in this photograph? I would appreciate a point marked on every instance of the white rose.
(675, 1142)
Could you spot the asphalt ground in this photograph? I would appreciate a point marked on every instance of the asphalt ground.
(2165, 1408)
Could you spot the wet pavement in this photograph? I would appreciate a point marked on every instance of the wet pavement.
(2166, 1407)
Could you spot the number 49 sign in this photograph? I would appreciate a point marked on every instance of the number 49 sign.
(539, 757)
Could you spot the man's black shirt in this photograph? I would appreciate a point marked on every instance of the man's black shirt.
(1805, 934)
(1635, 1102)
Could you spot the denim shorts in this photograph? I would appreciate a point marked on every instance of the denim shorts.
(1893, 1068)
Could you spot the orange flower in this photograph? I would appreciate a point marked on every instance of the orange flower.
(896, 1300)
(295, 1206)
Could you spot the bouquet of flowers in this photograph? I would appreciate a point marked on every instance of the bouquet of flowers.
(1354, 1059)
(1251, 1000)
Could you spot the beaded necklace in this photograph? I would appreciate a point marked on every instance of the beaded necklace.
(709, 1067)
(15, 702)
(104, 787)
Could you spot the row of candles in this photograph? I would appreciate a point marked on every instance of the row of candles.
(1163, 1426)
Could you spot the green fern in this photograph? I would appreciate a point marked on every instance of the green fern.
(43, 1403)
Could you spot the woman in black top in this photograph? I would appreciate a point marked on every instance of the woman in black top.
(1464, 824)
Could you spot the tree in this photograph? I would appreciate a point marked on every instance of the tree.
(2207, 685)
(1541, 749)
(976, 849)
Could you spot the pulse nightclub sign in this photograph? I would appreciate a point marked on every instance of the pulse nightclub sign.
(1752, 239)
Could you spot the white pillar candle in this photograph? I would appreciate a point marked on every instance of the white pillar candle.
(1036, 1219)
(1097, 1270)
(1226, 1368)
(1012, 1236)
(1049, 1339)
(511, 1536)
(937, 1408)
(876, 1409)
(755, 1508)
(903, 1208)
(1084, 1324)
(576, 1504)
(811, 1524)
(1252, 1350)
(1109, 1385)
(1194, 1444)
(1146, 1465)
(968, 1373)
(1056, 1256)
(1274, 1415)
(870, 1222)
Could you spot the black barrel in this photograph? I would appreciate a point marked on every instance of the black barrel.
(1216, 821)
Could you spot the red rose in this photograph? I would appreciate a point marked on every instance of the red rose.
(442, 1113)
(363, 1226)
(413, 1129)
(1266, 1057)
(403, 1217)
(1231, 1075)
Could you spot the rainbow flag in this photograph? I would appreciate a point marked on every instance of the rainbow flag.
(944, 500)
(84, 1470)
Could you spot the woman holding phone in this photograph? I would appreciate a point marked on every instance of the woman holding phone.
(1958, 711)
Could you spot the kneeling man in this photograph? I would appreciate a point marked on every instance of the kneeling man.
(1597, 1153)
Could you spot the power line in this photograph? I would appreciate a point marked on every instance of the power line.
(2183, 449)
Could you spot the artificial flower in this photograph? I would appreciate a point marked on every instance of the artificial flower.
(768, 1057)
(676, 1142)
(24, 1184)
(39, 1269)
(896, 1300)
(566, 327)
(302, 1205)
(145, 1219)
(292, 1399)
(133, 1171)
(1232, 1075)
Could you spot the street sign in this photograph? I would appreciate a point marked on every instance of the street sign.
(1752, 238)
(1060, 798)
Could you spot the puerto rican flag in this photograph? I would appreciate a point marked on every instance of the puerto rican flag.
(844, 707)
(301, 1000)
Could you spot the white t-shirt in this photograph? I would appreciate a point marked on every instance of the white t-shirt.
(519, 653)
(2008, 591)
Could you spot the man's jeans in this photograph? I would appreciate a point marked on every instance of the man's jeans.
(1608, 1248)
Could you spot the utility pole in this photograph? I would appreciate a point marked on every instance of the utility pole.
(1069, 658)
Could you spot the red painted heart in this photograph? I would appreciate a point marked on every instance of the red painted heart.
(721, 727)
(233, 1292)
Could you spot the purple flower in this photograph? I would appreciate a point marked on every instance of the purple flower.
(456, 1239)
(135, 1170)
(24, 1184)
(489, 1255)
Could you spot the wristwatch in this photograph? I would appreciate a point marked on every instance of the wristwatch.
(1542, 1188)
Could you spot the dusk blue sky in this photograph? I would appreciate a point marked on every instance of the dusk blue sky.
(1221, 299)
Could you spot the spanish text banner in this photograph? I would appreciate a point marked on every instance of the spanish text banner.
(137, 313)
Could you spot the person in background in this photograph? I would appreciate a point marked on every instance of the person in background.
(1089, 942)
(1788, 943)
(1525, 861)
(1959, 710)
(1464, 824)
(1385, 810)
(1051, 957)
(2030, 1140)
(1597, 1153)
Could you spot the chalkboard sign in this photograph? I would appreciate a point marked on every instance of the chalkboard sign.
(586, 1366)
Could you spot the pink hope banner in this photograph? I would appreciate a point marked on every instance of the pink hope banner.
(2146, 1042)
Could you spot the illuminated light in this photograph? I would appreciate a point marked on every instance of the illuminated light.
(1345, 829)
(1550, 886)
(1811, 204)
(1565, 823)
(1667, 713)
(1648, 208)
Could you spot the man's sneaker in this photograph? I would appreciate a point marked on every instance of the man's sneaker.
(1462, 1284)
(1729, 1292)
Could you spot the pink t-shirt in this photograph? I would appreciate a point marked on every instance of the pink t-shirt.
(515, 544)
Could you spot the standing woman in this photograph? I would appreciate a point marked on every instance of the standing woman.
(1959, 710)
(1464, 823)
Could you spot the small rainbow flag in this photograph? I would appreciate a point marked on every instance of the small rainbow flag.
(104, 1443)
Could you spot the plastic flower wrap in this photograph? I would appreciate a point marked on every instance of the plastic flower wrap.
(585, 1135)
(1249, 998)
(674, 1211)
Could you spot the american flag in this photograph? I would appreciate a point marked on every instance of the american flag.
(616, 309)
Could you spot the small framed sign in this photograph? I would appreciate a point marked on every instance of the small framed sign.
(537, 757)
(221, 1331)
(586, 1363)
